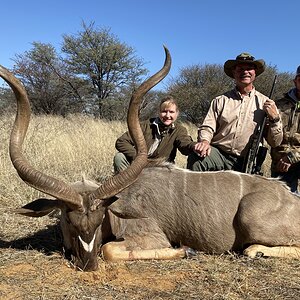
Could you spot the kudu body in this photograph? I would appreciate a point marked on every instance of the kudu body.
(214, 212)
(143, 211)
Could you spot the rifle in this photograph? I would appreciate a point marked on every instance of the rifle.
(257, 152)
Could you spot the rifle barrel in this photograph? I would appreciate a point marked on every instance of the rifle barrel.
(251, 165)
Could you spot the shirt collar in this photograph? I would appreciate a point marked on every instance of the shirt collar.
(250, 94)
(161, 126)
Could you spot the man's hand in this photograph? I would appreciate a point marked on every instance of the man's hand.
(271, 109)
(203, 148)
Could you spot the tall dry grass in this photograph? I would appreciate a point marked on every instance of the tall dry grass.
(31, 262)
(65, 148)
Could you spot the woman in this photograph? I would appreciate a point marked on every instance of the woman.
(162, 134)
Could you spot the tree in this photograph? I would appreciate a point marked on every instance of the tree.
(264, 82)
(197, 85)
(51, 88)
(7, 100)
(98, 56)
(115, 108)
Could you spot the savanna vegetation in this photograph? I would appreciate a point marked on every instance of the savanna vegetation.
(94, 73)
(32, 265)
(79, 96)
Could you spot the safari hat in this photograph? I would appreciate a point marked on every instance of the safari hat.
(245, 58)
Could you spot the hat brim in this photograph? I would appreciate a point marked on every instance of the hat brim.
(231, 63)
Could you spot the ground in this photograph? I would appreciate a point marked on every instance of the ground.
(32, 266)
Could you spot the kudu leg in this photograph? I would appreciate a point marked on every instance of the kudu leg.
(116, 251)
(277, 251)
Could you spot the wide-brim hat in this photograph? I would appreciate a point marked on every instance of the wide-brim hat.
(244, 58)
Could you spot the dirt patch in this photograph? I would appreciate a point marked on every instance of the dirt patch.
(43, 276)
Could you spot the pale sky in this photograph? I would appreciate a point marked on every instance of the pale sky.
(195, 31)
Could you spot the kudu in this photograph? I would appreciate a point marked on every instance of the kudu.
(145, 210)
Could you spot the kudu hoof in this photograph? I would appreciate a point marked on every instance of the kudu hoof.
(189, 252)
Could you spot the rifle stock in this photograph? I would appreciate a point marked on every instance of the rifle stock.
(257, 152)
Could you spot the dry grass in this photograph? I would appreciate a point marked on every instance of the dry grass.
(31, 261)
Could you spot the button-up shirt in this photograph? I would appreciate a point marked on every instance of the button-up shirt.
(232, 119)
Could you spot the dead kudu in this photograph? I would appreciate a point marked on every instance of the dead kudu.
(145, 210)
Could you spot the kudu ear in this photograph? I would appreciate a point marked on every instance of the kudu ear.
(122, 209)
(38, 208)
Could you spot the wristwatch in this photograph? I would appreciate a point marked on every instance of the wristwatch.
(275, 120)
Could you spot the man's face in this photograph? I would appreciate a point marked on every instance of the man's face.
(297, 83)
(244, 74)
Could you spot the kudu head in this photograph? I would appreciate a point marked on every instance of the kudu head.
(83, 205)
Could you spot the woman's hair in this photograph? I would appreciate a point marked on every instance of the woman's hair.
(167, 101)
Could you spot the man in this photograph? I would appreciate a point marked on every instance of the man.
(225, 135)
(286, 156)
(163, 137)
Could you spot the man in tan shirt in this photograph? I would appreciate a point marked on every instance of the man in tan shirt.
(225, 135)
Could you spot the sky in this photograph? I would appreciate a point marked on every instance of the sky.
(195, 31)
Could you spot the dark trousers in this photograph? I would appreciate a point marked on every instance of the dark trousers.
(291, 177)
(217, 160)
